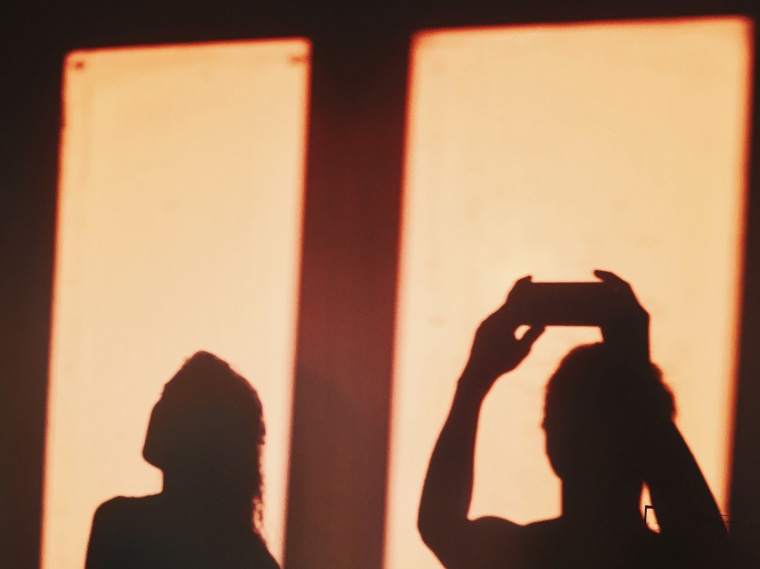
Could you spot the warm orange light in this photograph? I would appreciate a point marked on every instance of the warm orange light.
(551, 151)
(179, 230)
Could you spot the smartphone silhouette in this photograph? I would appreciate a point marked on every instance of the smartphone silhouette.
(562, 303)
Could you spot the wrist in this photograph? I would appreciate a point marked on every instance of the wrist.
(474, 383)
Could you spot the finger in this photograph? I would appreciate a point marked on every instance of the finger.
(518, 283)
(501, 319)
(609, 277)
(616, 283)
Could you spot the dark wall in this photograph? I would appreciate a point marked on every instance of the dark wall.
(353, 193)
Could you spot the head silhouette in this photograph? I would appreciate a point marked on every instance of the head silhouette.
(590, 416)
(206, 434)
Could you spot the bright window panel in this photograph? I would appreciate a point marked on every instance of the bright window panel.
(178, 230)
(551, 151)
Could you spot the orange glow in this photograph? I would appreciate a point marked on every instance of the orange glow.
(178, 230)
(551, 151)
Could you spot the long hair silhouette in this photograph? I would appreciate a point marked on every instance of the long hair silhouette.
(208, 428)
(206, 435)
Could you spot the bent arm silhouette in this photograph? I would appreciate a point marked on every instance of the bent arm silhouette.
(685, 508)
(609, 429)
(443, 523)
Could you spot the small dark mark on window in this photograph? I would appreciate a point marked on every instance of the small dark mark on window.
(299, 58)
(79, 64)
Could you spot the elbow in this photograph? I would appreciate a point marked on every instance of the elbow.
(446, 537)
(434, 529)
(424, 525)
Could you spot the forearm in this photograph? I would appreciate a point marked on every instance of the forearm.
(684, 505)
(446, 496)
(448, 485)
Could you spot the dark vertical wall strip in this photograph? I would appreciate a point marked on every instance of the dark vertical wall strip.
(745, 481)
(28, 177)
(347, 302)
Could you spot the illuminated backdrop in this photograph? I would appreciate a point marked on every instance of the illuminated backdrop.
(552, 151)
(179, 230)
(543, 150)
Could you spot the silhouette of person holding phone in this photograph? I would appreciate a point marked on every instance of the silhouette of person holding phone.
(609, 430)
(205, 434)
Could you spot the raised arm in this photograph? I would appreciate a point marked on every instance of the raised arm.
(443, 522)
(685, 508)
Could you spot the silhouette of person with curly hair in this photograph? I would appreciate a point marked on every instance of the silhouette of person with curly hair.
(206, 435)
(609, 430)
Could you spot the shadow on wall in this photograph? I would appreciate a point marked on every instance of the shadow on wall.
(609, 430)
(205, 434)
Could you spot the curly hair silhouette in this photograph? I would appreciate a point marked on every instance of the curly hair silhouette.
(206, 435)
